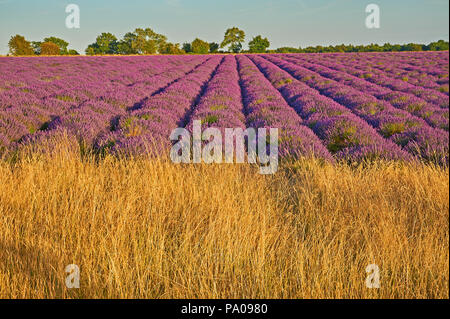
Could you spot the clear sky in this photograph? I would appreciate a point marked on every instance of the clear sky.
(285, 22)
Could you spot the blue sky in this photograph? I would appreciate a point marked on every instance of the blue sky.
(284, 22)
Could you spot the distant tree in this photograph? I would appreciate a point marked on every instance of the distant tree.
(19, 46)
(72, 52)
(213, 47)
(387, 47)
(287, 50)
(36, 47)
(125, 46)
(396, 47)
(187, 47)
(340, 48)
(412, 47)
(233, 38)
(171, 48)
(440, 45)
(374, 48)
(199, 46)
(147, 41)
(258, 44)
(106, 43)
(92, 49)
(60, 43)
(320, 49)
(309, 49)
(50, 48)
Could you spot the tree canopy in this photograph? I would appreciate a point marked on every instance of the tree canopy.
(440, 45)
(49, 48)
(187, 47)
(213, 47)
(233, 38)
(19, 46)
(106, 43)
(147, 41)
(141, 41)
(62, 45)
(171, 48)
(199, 46)
(125, 46)
(387, 47)
(36, 45)
(258, 44)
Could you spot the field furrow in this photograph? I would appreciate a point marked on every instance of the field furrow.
(432, 114)
(85, 110)
(220, 105)
(432, 96)
(344, 134)
(404, 129)
(266, 108)
(153, 121)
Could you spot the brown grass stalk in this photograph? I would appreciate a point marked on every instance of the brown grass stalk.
(146, 228)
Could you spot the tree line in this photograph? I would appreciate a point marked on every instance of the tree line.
(440, 45)
(18, 45)
(147, 41)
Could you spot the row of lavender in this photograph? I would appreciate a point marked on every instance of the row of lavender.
(38, 96)
(321, 109)
(343, 133)
(387, 78)
(434, 113)
(411, 133)
(429, 70)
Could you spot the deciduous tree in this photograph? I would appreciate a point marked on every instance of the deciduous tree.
(258, 44)
(36, 47)
(106, 43)
(73, 52)
(59, 42)
(171, 48)
(213, 47)
(125, 46)
(233, 38)
(50, 48)
(147, 41)
(187, 47)
(19, 46)
(200, 46)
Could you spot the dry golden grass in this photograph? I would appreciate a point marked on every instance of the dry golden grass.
(142, 228)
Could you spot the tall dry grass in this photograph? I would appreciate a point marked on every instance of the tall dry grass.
(144, 228)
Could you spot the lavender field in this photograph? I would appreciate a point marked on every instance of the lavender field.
(363, 179)
(353, 107)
